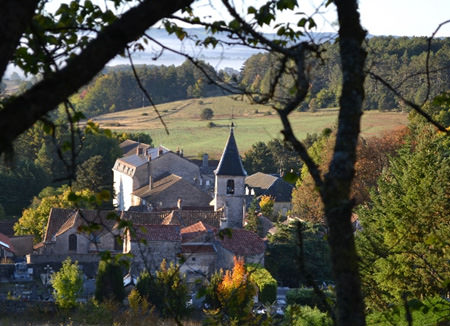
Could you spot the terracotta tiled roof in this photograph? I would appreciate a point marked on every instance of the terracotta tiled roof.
(191, 232)
(57, 217)
(187, 217)
(6, 243)
(197, 248)
(106, 220)
(151, 232)
(242, 243)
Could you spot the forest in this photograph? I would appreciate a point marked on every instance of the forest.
(116, 88)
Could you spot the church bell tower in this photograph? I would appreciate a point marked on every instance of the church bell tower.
(230, 185)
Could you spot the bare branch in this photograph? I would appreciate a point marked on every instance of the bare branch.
(413, 105)
(138, 80)
(427, 64)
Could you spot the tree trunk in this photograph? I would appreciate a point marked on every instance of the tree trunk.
(336, 189)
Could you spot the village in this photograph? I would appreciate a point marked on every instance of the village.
(176, 208)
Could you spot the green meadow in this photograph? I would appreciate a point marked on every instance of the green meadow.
(253, 123)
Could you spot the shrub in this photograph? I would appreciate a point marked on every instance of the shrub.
(144, 113)
(207, 114)
(211, 124)
(109, 282)
(307, 297)
(431, 311)
(297, 315)
(67, 284)
(266, 284)
(167, 291)
(266, 205)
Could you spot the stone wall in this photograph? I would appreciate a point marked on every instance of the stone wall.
(153, 253)
(197, 265)
(50, 258)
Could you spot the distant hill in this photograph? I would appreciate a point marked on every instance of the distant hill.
(254, 123)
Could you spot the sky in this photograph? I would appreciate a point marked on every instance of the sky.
(378, 17)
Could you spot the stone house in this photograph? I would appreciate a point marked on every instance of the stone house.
(198, 250)
(262, 184)
(150, 244)
(141, 171)
(239, 243)
(62, 236)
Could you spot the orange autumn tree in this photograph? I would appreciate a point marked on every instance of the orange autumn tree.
(235, 293)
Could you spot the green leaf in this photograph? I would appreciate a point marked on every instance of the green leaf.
(286, 4)
(234, 24)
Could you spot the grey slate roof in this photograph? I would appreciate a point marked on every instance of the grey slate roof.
(266, 184)
(230, 162)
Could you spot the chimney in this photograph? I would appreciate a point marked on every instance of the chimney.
(181, 152)
(139, 150)
(180, 203)
(205, 161)
(150, 182)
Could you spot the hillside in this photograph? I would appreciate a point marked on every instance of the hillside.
(253, 123)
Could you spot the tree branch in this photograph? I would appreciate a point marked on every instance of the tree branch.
(22, 112)
(16, 16)
(142, 88)
(413, 105)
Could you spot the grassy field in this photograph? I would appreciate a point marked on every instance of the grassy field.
(253, 123)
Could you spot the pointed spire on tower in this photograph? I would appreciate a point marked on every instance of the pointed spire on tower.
(230, 162)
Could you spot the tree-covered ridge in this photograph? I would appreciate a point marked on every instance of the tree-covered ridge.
(117, 89)
(404, 56)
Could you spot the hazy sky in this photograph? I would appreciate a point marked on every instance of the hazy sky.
(379, 17)
(405, 17)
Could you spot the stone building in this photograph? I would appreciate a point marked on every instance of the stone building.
(63, 236)
(134, 175)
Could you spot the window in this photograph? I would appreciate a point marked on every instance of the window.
(73, 242)
(230, 187)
